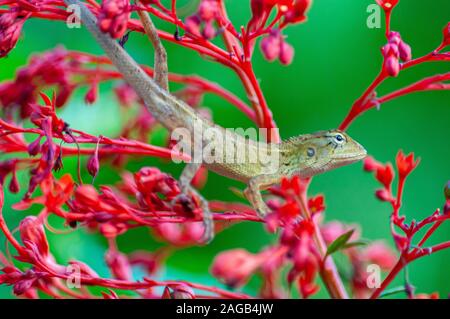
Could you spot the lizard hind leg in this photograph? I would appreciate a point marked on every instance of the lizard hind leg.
(161, 70)
(161, 77)
(185, 187)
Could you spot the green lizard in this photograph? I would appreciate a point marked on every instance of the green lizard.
(305, 155)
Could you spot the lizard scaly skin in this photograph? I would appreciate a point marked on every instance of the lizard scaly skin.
(305, 155)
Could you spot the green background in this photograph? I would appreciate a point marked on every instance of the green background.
(336, 57)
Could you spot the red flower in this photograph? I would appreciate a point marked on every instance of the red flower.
(208, 10)
(92, 94)
(23, 282)
(234, 267)
(178, 291)
(371, 165)
(446, 32)
(384, 195)
(118, 264)
(45, 70)
(286, 53)
(434, 295)
(296, 12)
(113, 17)
(395, 50)
(270, 46)
(316, 204)
(10, 28)
(385, 175)
(32, 233)
(406, 164)
(274, 47)
(192, 24)
(387, 5)
(93, 163)
(378, 253)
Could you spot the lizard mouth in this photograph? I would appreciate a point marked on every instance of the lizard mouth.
(352, 157)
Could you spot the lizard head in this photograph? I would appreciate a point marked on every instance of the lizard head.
(316, 153)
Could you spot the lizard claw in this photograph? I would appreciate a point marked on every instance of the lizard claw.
(184, 200)
(208, 223)
(262, 210)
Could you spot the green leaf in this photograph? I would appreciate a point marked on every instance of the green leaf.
(339, 242)
(355, 244)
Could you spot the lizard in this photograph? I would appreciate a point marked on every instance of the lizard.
(305, 155)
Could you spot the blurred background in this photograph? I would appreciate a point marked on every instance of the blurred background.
(336, 58)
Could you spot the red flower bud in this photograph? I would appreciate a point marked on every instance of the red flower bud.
(179, 291)
(110, 295)
(209, 31)
(400, 242)
(86, 195)
(378, 253)
(270, 47)
(387, 5)
(446, 32)
(370, 164)
(35, 147)
(208, 10)
(385, 175)
(10, 28)
(92, 95)
(286, 53)
(234, 267)
(93, 164)
(23, 286)
(383, 195)
(192, 25)
(392, 66)
(63, 95)
(113, 17)
(405, 51)
(32, 230)
(394, 38)
(296, 12)
(118, 264)
(405, 164)
(14, 184)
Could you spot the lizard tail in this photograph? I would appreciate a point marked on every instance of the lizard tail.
(165, 108)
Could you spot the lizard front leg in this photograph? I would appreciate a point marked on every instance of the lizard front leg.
(161, 75)
(253, 192)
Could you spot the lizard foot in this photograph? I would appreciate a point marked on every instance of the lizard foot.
(258, 203)
(208, 223)
(262, 210)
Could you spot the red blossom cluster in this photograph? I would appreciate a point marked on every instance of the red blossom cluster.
(10, 28)
(404, 233)
(145, 198)
(113, 17)
(395, 50)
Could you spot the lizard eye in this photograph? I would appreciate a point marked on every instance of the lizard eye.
(339, 138)
(310, 152)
